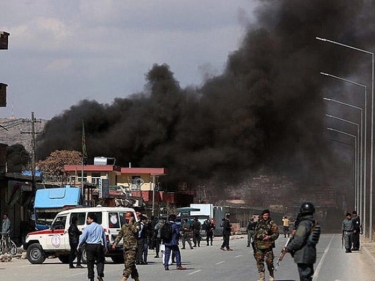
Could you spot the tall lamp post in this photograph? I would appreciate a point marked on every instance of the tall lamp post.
(357, 181)
(362, 193)
(355, 144)
(372, 121)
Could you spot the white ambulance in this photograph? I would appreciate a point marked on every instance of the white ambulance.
(55, 240)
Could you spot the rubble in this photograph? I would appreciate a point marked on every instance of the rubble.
(5, 258)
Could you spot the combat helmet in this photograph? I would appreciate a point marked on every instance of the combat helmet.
(307, 208)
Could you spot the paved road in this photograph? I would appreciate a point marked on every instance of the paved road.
(209, 263)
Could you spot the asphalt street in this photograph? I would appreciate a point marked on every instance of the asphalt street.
(210, 263)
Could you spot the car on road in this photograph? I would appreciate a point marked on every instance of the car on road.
(54, 241)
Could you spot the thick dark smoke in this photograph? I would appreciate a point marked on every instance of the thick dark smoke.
(264, 113)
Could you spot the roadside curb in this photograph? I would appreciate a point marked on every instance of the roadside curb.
(368, 255)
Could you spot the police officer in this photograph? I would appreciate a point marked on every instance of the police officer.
(129, 235)
(356, 230)
(266, 232)
(347, 232)
(303, 244)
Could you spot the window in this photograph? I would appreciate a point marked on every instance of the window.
(99, 217)
(81, 218)
(95, 177)
(79, 177)
(59, 222)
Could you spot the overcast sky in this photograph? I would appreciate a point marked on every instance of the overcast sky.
(63, 51)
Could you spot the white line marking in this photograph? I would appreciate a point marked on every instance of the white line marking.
(238, 256)
(316, 273)
(220, 262)
(194, 272)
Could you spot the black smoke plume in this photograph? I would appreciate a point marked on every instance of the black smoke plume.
(265, 112)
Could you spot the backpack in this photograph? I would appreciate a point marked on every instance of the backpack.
(166, 232)
(314, 235)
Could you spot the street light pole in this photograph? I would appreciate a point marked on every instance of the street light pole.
(372, 121)
(362, 193)
(357, 181)
(363, 150)
(355, 145)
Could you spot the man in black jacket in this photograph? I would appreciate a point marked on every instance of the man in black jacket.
(227, 228)
(356, 230)
(74, 234)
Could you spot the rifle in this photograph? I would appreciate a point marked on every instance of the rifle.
(282, 254)
(342, 241)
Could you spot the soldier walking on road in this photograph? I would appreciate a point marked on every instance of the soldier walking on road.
(266, 232)
(129, 235)
(303, 243)
(186, 231)
(347, 232)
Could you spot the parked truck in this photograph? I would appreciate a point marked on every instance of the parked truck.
(49, 201)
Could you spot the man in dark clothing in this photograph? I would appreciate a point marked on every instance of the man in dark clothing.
(196, 232)
(356, 230)
(227, 228)
(151, 233)
(303, 244)
(210, 227)
(142, 242)
(172, 245)
(74, 234)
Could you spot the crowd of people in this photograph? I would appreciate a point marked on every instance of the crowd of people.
(139, 235)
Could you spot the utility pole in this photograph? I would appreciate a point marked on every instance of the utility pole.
(33, 148)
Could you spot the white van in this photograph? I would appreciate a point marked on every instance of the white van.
(55, 240)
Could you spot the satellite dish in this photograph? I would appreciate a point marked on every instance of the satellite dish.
(138, 182)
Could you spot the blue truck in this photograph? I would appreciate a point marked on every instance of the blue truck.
(49, 201)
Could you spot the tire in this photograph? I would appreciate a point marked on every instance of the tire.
(13, 248)
(117, 259)
(64, 259)
(84, 256)
(35, 254)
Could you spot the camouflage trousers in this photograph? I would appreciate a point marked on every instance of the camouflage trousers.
(129, 261)
(264, 254)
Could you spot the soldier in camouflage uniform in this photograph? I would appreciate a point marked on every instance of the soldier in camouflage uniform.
(129, 233)
(266, 232)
